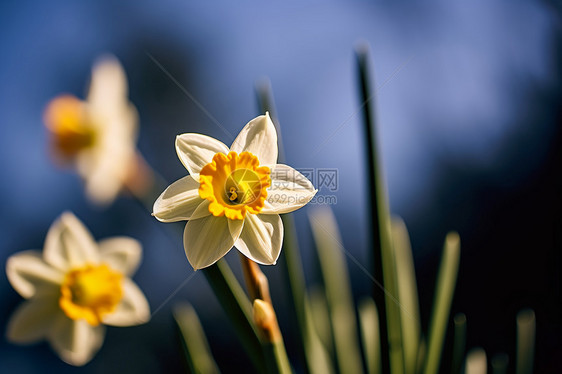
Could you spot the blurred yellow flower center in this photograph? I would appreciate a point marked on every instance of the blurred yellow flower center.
(67, 120)
(234, 184)
(90, 292)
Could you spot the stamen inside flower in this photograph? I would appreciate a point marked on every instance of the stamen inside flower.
(234, 184)
(67, 120)
(91, 292)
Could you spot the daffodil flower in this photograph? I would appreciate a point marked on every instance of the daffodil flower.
(99, 134)
(233, 196)
(74, 288)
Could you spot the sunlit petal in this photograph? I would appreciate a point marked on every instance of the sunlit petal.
(179, 201)
(69, 244)
(33, 319)
(122, 253)
(76, 342)
(133, 309)
(196, 150)
(108, 86)
(28, 272)
(208, 239)
(289, 190)
(261, 238)
(258, 137)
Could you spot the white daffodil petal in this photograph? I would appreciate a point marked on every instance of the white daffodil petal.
(235, 226)
(28, 273)
(108, 86)
(133, 308)
(33, 319)
(69, 244)
(261, 238)
(206, 240)
(289, 190)
(196, 151)
(113, 162)
(75, 341)
(121, 253)
(178, 202)
(258, 137)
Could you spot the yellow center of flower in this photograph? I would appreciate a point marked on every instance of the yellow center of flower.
(234, 184)
(67, 120)
(91, 292)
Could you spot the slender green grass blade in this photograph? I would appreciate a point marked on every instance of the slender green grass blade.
(422, 351)
(338, 289)
(525, 341)
(196, 348)
(445, 287)
(374, 184)
(290, 253)
(500, 363)
(407, 295)
(237, 307)
(370, 333)
(321, 321)
(319, 359)
(383, 253)
(459, 342)
(276, 358)
(476, 362)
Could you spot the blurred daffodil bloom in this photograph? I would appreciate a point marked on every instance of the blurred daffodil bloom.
(233, 196)
(74, 288)
(98, 135)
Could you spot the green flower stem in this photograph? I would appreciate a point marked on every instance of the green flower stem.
(276, 358)
(370, 332)
(445, 287)
(196, 348)
(265, 317)
(383, 254)
(290, 254)
(525, 341)
(272, 341)
(499, 363)
(407, 295)
(338, 289)
(459, 342)
(238, 308)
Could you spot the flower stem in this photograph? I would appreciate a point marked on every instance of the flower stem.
(238, 308)
(265, 318)
(272, 341)
(256, 281)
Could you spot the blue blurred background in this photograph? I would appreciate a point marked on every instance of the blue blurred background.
(468, 99)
